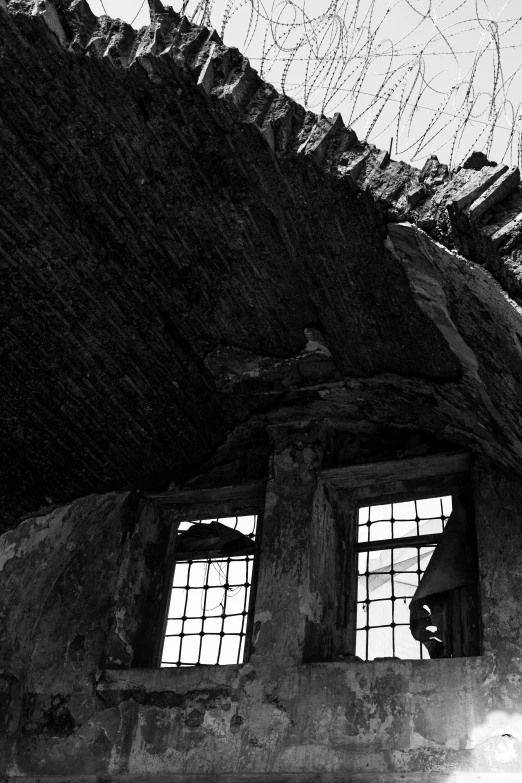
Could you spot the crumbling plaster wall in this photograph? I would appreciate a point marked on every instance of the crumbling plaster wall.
(74, 584)
(418, 348)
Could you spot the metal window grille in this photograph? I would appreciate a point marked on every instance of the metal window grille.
(395, 542)
(210, 602)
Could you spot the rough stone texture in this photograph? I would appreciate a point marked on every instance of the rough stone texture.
(206, 285)
(145, 219)
(71, 714)
(77, 594)
(145, 225)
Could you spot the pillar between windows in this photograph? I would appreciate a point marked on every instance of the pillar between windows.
(292, 601)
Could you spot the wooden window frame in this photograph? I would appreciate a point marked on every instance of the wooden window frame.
(377, 483)
(239, 500)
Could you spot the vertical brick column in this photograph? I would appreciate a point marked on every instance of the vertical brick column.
(285, 600)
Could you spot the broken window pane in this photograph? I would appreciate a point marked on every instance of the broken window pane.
(190, 649)
(235, 600)
(171, 650)
(192, 625)
(378, 513)
(233, 624)
(380, 613)
(229, 649)
(177, 603)
(430, 526)
(194, 606)
(388, 577)
(181, 575)
(380, 586)
(363, 515)
(174, 627)
(362, 615)
(212, 625)
(380, 531)
(429, 507)
(360, 644)
(197, 574)
(405, 585)
(380, 643)
(402, 611)
(404, 510)
(209, 604)
(403, 529)
(379, 561)
(215, 601)
(209, 649)
(405, 645)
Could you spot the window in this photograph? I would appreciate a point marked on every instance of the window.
(210, 602)
(202, 597)
(395, 543)
(405, 580)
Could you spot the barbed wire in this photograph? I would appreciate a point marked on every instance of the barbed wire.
(138, 12)
(384, 63)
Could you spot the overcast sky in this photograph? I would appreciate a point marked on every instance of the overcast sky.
(401, 91)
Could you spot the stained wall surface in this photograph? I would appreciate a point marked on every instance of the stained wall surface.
(207, 285)
(75, 585)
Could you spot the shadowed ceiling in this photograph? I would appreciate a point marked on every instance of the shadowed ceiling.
(143, 227)
(175, 238)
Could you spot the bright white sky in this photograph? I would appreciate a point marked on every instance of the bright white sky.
(422, 72)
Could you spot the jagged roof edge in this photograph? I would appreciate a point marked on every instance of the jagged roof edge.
(455, 209)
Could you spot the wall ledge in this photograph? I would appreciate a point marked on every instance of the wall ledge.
(285, 777)
(170, 679)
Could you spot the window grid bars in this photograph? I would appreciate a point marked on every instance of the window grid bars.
(410, 542)
(206, 611)
(392, 564)
(223, 616)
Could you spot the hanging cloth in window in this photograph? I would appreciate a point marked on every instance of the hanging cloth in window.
(453, 565)
(213, 537)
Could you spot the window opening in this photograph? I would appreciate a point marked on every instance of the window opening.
(210, 602)
(395, 542)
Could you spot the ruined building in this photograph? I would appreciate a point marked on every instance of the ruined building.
(255, 374)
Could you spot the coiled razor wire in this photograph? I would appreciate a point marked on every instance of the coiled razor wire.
(436, 76)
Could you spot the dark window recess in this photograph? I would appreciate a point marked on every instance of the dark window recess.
(417, 593)
(211, 598)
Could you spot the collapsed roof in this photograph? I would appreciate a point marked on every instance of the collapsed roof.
(187, 254)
